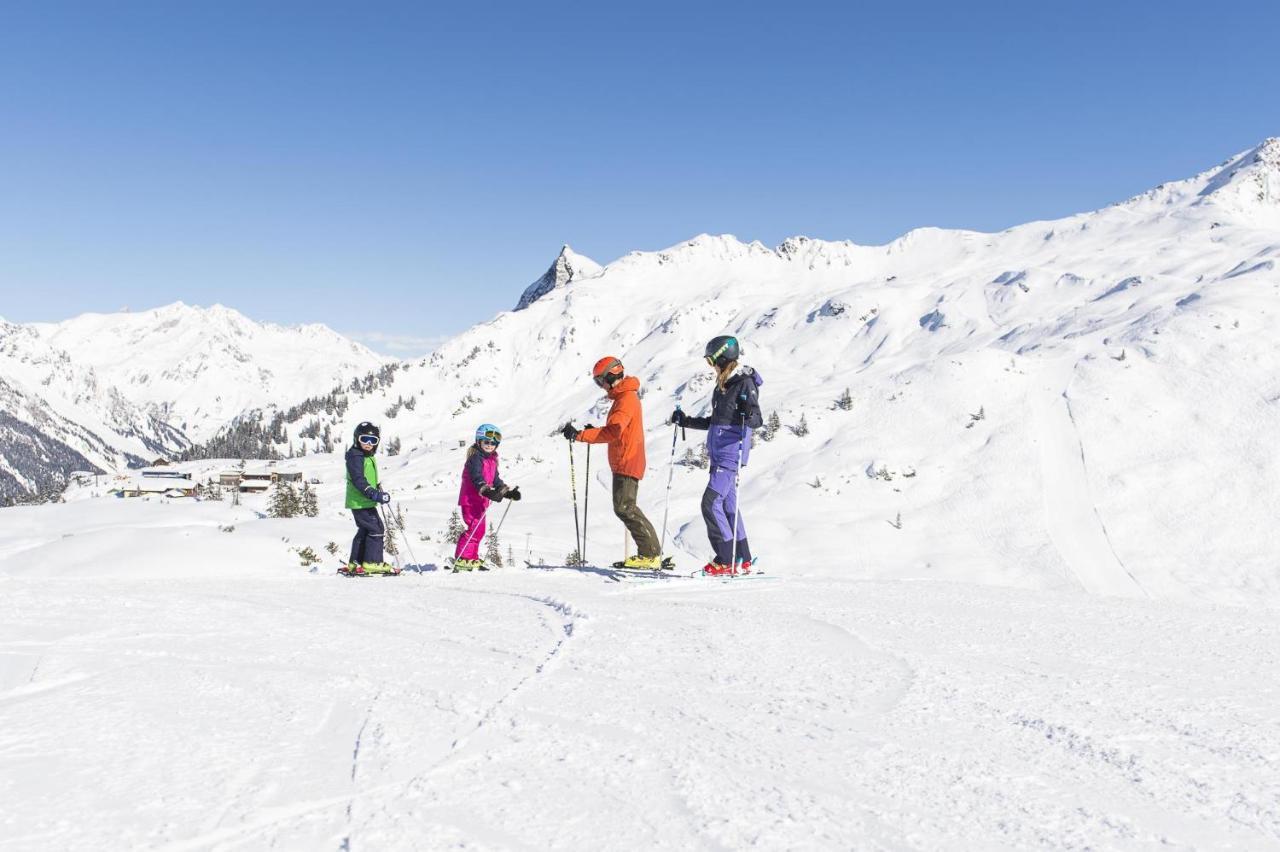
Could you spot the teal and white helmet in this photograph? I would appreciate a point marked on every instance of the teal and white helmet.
(488, 432)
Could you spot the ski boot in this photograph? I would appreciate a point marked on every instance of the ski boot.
(716, 569)
(465, 565)
(378, 568)
(351, 569)
(643, 563)
(743, 566)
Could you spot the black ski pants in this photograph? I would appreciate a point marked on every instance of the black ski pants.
(367, 545)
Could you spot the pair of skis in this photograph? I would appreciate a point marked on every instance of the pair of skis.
(616, 572)
(346, 571)
(619, 573)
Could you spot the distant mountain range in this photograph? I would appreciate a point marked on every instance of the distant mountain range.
(105, 391)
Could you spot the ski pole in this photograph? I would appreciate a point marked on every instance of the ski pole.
(586, 503)
(742, 436)
(671, 472)
(386, 527)
(400, 517)
(573, 487)
(498, 528)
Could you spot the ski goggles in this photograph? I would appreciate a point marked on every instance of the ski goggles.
(367, 440)
(490, 436)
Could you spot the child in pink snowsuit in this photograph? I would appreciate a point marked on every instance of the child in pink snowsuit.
(481, 485)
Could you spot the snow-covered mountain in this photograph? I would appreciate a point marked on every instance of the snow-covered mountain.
(1088, 402)
(107, 391)
(568, 266)
(60, 416)
(197, 368)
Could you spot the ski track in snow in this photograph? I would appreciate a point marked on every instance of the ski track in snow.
(532, 710)
(1071, 516)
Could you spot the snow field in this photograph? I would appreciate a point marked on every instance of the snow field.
(523, 709)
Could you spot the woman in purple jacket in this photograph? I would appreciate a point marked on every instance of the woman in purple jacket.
(735, 411)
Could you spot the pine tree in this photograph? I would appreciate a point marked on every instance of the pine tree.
(389, 540)
(393, 446)
(844, 402)
(802, 428)
(307, 501)
(456, 530)
(493, 551)
(284, 501)
(771, 427)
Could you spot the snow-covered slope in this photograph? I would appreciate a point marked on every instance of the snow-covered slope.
(197, 368)
(1089, 402)
(205, 691)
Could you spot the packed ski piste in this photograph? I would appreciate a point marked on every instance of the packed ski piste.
(735, 412)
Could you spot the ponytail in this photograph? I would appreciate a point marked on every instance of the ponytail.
(723, 374)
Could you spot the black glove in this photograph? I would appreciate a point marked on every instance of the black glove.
(490, 493)
(514, 493)
(570, 433)
(677, 417)
(383, 497)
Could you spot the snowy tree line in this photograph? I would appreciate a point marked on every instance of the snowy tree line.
(259, 437)
(43, 461)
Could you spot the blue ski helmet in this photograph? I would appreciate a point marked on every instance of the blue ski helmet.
(722, 350)
(488, 432)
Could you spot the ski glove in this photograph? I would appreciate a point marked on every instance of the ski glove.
(383, 497)
(514, 493)
(678, 417)
(376, 495)
(490, 493)
(570, 433)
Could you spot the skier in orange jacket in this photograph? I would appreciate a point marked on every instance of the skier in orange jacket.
(623, 431)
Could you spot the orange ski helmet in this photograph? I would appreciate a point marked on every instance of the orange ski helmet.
(607, 371)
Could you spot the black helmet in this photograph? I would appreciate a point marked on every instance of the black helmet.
(722, 350)
(365, 429)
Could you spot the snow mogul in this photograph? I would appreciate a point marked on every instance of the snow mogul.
(363, 498)
(735, 411)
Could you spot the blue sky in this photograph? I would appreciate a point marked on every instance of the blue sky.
(405, 170)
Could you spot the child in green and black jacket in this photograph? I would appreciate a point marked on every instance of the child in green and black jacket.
(363, 497)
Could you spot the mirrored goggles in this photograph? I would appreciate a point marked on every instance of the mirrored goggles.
(368, 440)
(492, 436)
